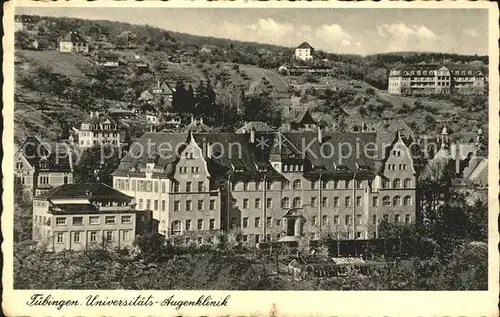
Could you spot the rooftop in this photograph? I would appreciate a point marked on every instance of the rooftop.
(85, 190)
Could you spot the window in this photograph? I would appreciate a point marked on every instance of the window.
(201, 187)
(245, 203)
(336, 219)
(285, 185)
(407, 183)
(336, 184)
(314, 202)
(297, 202)
(126, 219)
(176, 228)
(177, 205)
(109, 236)
(359, 219)
(386, 218)
(278, 222)
(386, 201)
(245, 186)
(77, 221)
(163, 205)
(347, 220)
(358, 201)
(188, 187)
(374, 219)
(348, 184)
(375, 201)
(212, 224)
(189, 205)
(269, 221)
(109, 220)
(359, 183)
(314, 220)
(269, 203)
(297, 184)
(76, 237)
(60, 221)
(212, 204)
(200, 240)
(60, 237)
(94, 220)
(93, 236)
(396, 201)
(163, 187)
(201, 204)
(126, 235)
(200, 224)
(407, 218)
(245, 222)
(269, 185)
(188, 224)
(385, 183)
(324, 184)
(176, 187)
(148, 204)
(348, 201)
(257, 222)
(358, 234)
(314, 185)
(396, 218)
(407, 201)
(257, 203)
(324, 202)
(258, 186)
(285, 202)
(396, 183)
(155, 204)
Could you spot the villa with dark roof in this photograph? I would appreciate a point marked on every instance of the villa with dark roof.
(99, 129)
(437, 79)
(76, 216)
(40, 166)
(304, 52)
(270, 185)
(73, 43)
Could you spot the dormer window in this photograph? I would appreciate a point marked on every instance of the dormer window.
(418, 72)
(431, 72)
(425, 72)
(285, 168)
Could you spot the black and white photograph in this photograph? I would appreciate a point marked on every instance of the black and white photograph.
(250, 149)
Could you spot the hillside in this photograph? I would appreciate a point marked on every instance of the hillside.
(64, 87)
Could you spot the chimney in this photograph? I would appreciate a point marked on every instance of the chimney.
(91, 114)
(320, 134)
(158, 83)
(192, 119)
(201, 120)
(252, 135)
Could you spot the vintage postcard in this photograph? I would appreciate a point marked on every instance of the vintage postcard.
(250, 158)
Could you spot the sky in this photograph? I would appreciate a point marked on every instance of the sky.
(334, 30)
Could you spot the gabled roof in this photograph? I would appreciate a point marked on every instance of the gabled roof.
(85, 190)
(73, 37)
(259, 126)
(304, 117)
(165, 87)
(54, 154)
(305, 45)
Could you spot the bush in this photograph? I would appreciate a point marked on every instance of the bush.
(370, 91)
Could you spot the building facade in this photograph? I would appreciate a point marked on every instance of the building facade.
(77, 216)
(99, 129)
(304, 52)
(41, 166)
(436, 79)
(73, 43)
(271, 186)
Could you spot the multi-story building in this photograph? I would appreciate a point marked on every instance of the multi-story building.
(73, 43)
(436, 79)
(76, 216)
(99, 129)
(304, 52)
(271, 185)
(41, 166)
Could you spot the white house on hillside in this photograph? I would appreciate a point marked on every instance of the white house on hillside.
(73, 43)
(304, 52)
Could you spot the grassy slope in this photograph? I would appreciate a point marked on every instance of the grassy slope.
(70, 65)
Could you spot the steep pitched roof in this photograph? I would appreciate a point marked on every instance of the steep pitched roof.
(304, 117)
(259, 126)
(305, 45)
(57, 156)
(73, 37)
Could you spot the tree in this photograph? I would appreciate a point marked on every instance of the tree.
(260, 107)
(151, 245)
(96, 164)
